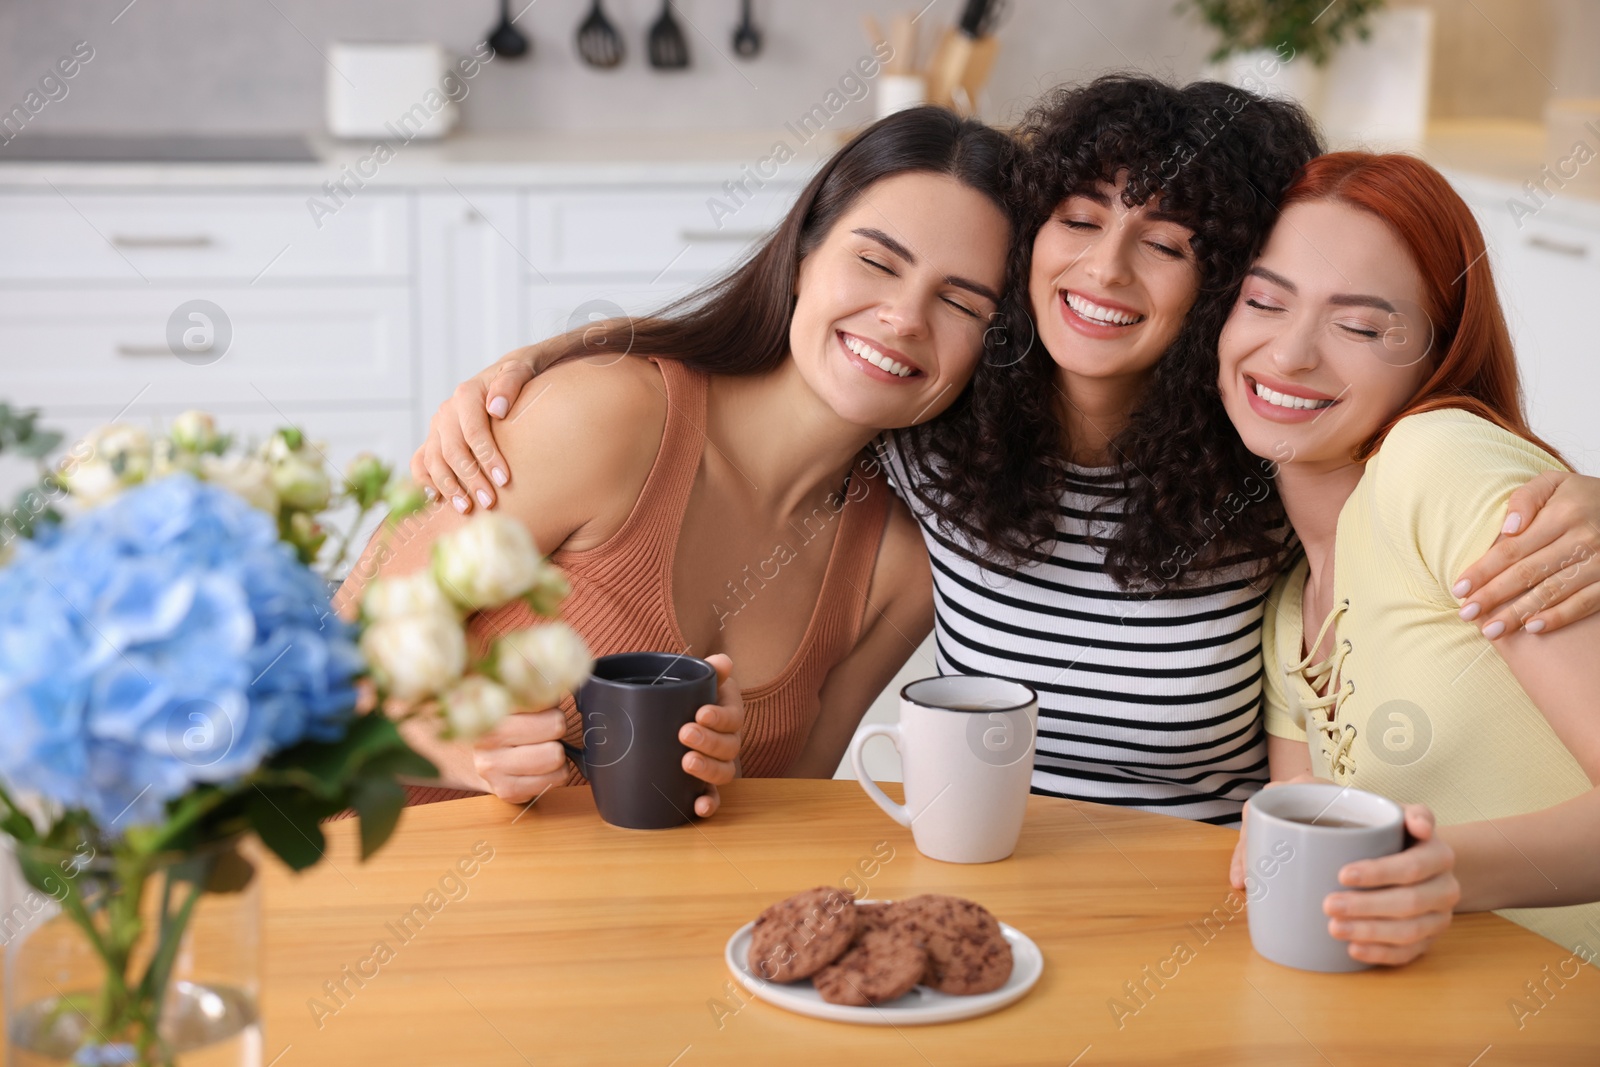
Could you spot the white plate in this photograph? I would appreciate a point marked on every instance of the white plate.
(921, 1005)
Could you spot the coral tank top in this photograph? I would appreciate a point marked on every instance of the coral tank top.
(621, 597)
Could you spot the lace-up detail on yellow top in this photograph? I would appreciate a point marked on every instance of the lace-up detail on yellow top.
(1334, 739)
(1429, 503)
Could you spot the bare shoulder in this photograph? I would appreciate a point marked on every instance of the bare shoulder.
(581, 441)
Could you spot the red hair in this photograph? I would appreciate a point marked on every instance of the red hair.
(1473, 366)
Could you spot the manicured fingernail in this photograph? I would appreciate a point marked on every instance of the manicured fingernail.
(498, 407)
(1469, 612)
(461, 503)
(1535, 626)
(429, 492)
(1513, 523)
(483, 497)
(1494, 629)
(498, 476)
(1461, 588)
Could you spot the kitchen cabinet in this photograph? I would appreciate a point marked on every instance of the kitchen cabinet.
(352, 324)
(1547, 271)
(469, 271)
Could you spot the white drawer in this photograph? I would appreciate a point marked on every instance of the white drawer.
(149, 237)
(647, 233)
(558, 307)
(77, 347)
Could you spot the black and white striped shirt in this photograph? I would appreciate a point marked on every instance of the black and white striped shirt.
(1145, 701)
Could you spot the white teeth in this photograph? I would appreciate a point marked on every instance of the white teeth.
(1283, 400)
(876, 358)
(1103, 315)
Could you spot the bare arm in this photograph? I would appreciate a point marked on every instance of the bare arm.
(899, 615)
(1542, 572)
(460, 460)
(580, 482)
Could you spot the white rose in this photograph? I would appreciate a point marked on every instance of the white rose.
(195, 431)
(475, 705)
(413, 594)
(549, 591)
(247, 476)
(167, 458)
(118, 456)
(487, 562)
(301, 482)
(543, 664)
(415, 656)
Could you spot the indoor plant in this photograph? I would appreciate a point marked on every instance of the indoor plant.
(175, 684)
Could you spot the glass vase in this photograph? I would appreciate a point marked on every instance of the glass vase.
(121, 959)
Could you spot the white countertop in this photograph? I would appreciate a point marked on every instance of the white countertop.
(1493, 155)
(653, 157)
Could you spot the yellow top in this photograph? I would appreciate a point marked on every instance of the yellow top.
(1421, 708)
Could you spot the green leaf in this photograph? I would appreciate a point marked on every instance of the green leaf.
(286, 821)
(400, 763)
(39, 444)
(378, 803)
(43, 875)
(325, 768)
(232, 873)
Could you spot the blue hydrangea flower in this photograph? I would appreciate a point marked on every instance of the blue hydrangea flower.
(161, 641)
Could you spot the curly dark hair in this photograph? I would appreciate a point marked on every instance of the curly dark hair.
(991, 469)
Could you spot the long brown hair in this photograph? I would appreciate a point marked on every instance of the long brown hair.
(739, 323)
(1472, 364)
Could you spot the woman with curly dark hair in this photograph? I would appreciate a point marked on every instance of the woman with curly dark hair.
(1096, 529)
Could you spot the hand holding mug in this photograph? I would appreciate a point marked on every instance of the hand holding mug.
(523, 756)
(715, 737)
(1406, 900)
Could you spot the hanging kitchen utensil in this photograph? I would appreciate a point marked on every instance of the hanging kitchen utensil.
(667, 47)
(599, 43)
(505, 39)
(746, 37)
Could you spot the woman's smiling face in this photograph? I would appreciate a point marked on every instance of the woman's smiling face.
(1328, 340)
(891, 307)
(1110, 285)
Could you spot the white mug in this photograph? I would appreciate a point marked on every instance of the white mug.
(966, 752)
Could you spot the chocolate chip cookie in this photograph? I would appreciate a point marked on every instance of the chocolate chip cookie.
(797, 937)
(878, 915)
(967, 953)
(881, 965)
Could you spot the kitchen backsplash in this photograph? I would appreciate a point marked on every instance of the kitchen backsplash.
(204, 66)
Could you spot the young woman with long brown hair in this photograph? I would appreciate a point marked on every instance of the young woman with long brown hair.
(734, 439)
(1368, 355)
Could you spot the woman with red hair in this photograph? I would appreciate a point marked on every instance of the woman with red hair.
(1367, 355)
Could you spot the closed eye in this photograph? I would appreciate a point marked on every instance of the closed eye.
(869, 261)
(1167, 250)
(1369, 334)
(1260, 306)
(961, 307)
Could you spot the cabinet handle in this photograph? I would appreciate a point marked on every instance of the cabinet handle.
(720, 236)
(198, 240)
(1565, 248)
(142, 351)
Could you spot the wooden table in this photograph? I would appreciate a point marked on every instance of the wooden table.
(577, 942)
